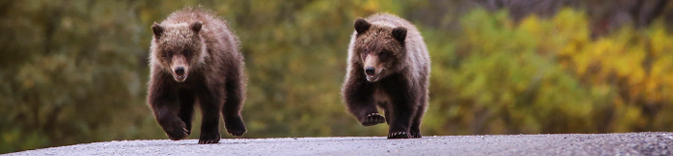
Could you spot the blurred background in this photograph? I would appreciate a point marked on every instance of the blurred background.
(75, 71)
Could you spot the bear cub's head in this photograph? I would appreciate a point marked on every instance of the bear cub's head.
(177, 47)
(380, 48)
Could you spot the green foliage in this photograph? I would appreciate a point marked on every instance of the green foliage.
(66, 68)
(76, 71)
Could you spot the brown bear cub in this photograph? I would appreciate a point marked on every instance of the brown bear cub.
(389, 67)
(195, 58)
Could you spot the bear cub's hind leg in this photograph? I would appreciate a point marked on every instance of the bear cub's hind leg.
(402, 118)
(186, 113)
(415, 129)
(210, 133)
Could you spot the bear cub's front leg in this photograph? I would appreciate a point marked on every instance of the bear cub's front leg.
(234, 125)
(175, 129)
(372, 119)
(172, 125)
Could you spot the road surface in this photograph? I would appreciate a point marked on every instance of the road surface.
(647, 143)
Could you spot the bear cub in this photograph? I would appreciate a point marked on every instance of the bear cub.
(195, 58)
(388, 67)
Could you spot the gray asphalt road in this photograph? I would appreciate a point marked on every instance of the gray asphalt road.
(649, 143)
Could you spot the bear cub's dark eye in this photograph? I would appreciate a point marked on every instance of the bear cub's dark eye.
(384, 54)
(169, 53)
(186, 52)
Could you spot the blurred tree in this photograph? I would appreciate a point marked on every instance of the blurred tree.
(548, 76)
(68, 68)
(606, 16)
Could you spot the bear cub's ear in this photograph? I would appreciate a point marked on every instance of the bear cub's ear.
(400, 33)
(196, 26)
(361, 25)
(157, 29)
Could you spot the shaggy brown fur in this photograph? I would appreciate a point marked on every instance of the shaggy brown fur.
(194, 57)
(388, 66)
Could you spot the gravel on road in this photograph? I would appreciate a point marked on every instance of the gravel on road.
(645, 143)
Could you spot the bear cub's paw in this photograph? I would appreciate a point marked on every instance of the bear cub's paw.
(235, 126)
(416, 134)
(212, 138)
(176, 130)
(398, 135)
(373, 119)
